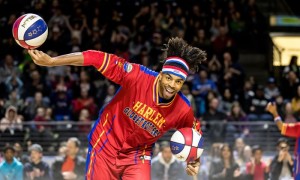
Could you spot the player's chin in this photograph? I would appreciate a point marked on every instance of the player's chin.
(168, 95)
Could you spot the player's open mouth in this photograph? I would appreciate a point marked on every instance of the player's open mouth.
(169, 91)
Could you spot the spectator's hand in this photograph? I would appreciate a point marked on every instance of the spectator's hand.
(40, 58)
(237, 173)
(271, 108)
(69, 175)
(281, 156)
(192, 168)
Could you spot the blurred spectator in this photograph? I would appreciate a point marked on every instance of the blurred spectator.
(15, 100)
(167, 167)
(61, 103)
(289, 116)
(237, 114)
(232, 75)
(289, 86)
(271, 90)
(214, 69)
(85, 118)
(14, 83)
(19, 153)
(111, 90)
(247, 155)
(296, 102)
(36, 84)
(293, 66)
(33, 103)
(10, 168)
(85, 101)
(256, 168)
(72, 166)
(8, 68)
(186, 91)
(37, 169)
(238, 151)
(257, 104)
(225, 169)
(227, 101)
(200, 87)
(282, 164)
(216, 128)
(11, 126)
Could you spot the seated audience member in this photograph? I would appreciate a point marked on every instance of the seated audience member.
(72, 166)
(167, 167)
(256, 168)
(226, 168)
(10, 168)
(37, 169)
(282, 164)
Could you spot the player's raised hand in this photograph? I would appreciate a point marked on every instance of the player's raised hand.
(40, 58)
(271, 107)
(192, 168)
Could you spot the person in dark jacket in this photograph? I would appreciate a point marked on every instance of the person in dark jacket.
(167, 167)
(282, 164)
(37, 169)
(72, 166)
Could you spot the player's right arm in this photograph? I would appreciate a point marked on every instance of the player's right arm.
(287, 129)
(42, 59)
(111, 66)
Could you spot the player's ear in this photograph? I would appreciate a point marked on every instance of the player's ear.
(160, 75)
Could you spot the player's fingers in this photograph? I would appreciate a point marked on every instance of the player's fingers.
(192, 169)
(32, 54)
(190, 172)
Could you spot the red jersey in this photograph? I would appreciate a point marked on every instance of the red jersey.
(134, 119)
(293, 130)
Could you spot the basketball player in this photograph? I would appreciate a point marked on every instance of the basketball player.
(291, 130)
(147, 105)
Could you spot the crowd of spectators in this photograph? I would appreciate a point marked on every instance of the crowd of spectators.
(225, 162)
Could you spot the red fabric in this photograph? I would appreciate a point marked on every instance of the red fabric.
(68, 165)
(259, 170)
(101, 168)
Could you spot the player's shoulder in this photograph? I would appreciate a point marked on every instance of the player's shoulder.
(148, 71)
(184, 99)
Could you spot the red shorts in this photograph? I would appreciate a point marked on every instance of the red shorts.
(99, 168)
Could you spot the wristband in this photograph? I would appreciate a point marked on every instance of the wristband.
(277, 118)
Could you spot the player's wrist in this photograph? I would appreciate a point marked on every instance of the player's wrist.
(277, 118)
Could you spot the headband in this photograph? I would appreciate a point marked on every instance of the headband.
(176, 66)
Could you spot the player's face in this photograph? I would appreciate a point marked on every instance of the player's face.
(169, 85)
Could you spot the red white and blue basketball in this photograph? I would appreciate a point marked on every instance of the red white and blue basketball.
(186, 144)
(30, 31)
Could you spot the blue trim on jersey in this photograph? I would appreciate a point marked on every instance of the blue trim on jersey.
(135, 155)
(184, 98)
(176, 74)
(87, 163)
(35, 30)
(99, 116)
(148, 71)
(107, 133)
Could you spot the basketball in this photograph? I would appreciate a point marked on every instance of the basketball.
(30, 31)
(186, 144)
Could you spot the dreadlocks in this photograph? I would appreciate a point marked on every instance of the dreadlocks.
(177, 47)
